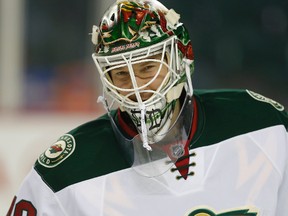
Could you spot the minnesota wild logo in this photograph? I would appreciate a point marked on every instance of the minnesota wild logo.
(207, 212)
(58, 152)
(55, 148)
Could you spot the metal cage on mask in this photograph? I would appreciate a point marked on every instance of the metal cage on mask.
(162, 99)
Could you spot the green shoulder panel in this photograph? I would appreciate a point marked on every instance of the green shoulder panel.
(227, 113)
(86, 152)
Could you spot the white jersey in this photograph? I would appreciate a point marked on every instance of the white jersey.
(238, 166)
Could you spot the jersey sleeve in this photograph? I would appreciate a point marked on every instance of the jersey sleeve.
(35, 198)
(282, 207)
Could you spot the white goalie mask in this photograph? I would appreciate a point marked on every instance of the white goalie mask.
(150, 109)
(145, 60)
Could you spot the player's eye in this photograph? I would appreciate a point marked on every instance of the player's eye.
(148, 71)
(121, 73)
(149, 67)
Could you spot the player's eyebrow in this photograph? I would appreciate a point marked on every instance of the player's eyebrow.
(124, 68)
(146, 63)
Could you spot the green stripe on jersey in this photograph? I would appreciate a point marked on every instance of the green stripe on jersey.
(227, 113)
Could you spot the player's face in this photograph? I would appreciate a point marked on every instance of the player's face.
(144, 72)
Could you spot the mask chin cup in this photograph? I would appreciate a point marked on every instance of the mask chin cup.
(165, 152)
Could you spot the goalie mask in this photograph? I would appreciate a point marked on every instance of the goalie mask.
(145, 60)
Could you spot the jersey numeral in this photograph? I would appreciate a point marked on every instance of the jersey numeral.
(21, 207)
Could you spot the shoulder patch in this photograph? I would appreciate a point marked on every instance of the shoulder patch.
(58, 152)
(262, 98)
(208, 212)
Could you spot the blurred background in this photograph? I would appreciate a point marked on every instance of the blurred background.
(48, 82)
